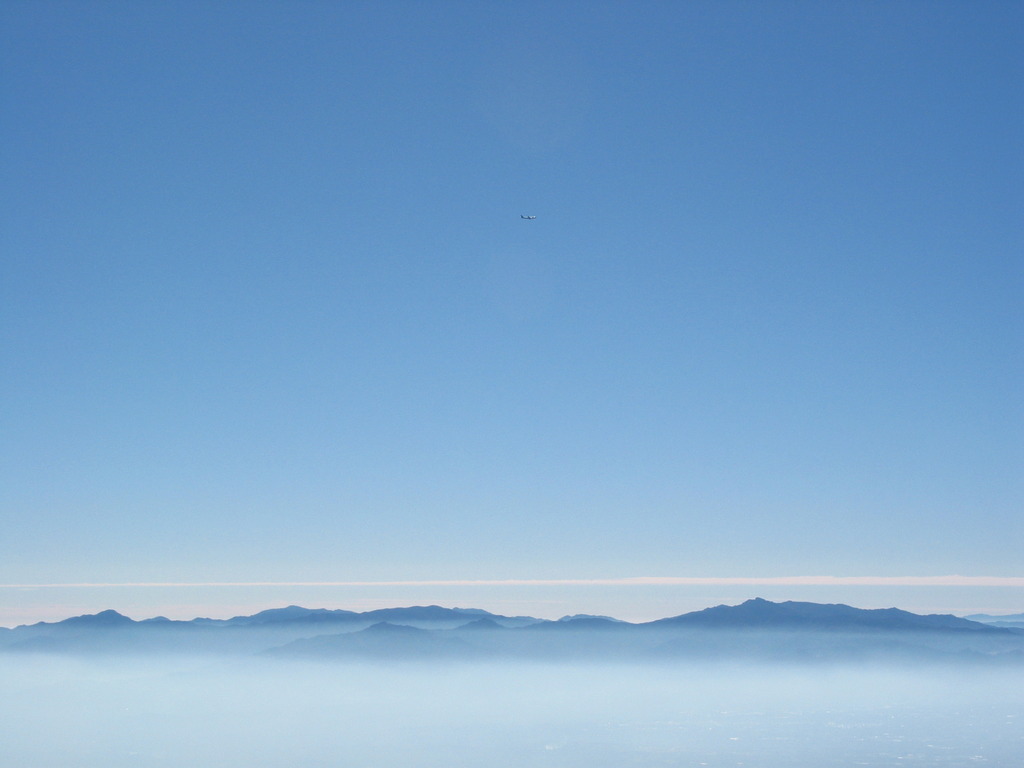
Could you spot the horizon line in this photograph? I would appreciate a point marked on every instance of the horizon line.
(871, 581)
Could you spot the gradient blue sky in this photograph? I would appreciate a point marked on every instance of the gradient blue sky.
(269, 313)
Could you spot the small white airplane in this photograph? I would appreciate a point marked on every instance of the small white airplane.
(523, 216)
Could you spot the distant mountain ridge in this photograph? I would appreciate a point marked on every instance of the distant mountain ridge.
(1011, 621)
(757, 629)
(426, 614)
(758, 613)
(755, 612)
(986, 617)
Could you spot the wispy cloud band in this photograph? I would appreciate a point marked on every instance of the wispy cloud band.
(633, 581)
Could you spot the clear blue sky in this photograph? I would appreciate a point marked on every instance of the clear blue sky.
(269, 312)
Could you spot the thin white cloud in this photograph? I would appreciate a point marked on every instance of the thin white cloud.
(634, 581)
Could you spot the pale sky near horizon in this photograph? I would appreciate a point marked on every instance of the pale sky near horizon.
(268, 311)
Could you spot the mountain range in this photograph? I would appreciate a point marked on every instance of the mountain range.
(754, 630)
(1012, 621)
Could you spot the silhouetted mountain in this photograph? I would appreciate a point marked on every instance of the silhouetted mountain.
(986, 617)
(1009, 621)
(426, 617)
(436, 617)
(1006, 624)
(110, 632)
(757, 629)
(72, 633)
(108, 618)
(762, 614)
(295, 613)
(482, 624)
(424, 613)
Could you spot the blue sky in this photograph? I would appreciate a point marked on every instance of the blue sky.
(269, 313)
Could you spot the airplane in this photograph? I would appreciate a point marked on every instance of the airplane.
(522, 216)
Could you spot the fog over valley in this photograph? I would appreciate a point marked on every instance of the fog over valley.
(766, 684)
(115, 712)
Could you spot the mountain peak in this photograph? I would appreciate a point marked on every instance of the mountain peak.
(107, 618)
(760, 613)
(482, 623)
